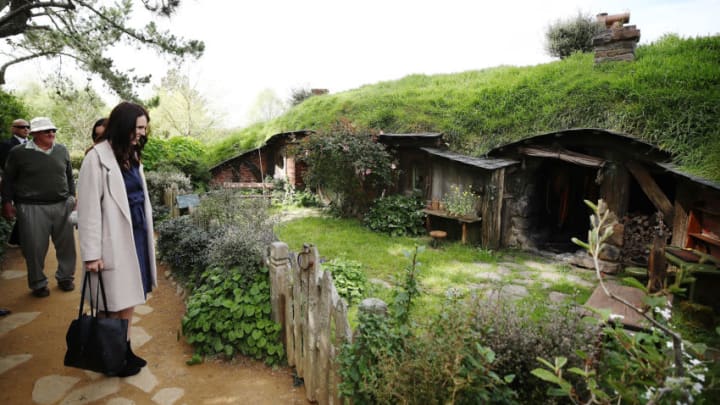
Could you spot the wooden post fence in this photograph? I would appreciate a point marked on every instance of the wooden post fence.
(313, 319)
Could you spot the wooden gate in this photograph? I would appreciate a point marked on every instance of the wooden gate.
(313, 319)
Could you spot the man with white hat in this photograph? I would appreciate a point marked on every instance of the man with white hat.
(38, 190)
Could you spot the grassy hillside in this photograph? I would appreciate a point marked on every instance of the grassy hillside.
(670, 96)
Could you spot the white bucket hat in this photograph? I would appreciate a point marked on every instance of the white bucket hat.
(38, 124)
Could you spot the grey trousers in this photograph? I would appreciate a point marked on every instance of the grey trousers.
(39, 223)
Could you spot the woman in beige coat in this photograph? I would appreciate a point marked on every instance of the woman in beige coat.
(115, 217)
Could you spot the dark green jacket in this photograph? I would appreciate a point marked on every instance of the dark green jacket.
(35, 177)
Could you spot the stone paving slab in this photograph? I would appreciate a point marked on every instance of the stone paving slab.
(16, 320)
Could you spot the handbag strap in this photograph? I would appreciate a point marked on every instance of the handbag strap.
(86, 282)
(100, 290)
(94, 306)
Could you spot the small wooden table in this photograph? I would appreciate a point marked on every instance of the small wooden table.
(444, 214)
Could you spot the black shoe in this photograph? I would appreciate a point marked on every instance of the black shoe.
(4, 312)
(132, 359)
(66, 285)
(41, 292)
(128, 371)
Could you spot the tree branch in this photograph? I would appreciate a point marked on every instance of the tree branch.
(14, 12)
(4, 67)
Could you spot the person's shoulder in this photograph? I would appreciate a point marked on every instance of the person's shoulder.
(60, 146)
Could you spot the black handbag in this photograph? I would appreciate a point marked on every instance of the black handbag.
(96, 344)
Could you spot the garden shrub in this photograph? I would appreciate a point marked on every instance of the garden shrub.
(445, 363)
(563, 38)
(348, 165)
(519, 334)
(233, 246)
(232, 208)
(183, 245)
(160, 180)
(229, 314)
(348, 277)
(396, 215)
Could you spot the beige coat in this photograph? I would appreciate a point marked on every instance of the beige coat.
(105, 228)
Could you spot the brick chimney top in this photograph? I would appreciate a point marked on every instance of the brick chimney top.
(614, 20)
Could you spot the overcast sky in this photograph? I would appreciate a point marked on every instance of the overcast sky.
(341, 45)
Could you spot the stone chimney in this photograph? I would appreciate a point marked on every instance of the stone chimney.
(617, 41)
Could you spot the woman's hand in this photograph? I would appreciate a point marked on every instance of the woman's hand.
(94, 265)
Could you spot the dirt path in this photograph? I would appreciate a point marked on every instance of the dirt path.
(32, 346)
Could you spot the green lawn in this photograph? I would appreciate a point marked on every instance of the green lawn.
(464, 267)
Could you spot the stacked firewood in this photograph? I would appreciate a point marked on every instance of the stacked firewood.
(640, 230)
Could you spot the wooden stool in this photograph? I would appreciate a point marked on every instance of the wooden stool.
(437, 237)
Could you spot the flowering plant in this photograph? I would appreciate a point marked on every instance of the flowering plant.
(460, 202)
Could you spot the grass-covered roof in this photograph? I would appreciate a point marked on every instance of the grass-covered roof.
(669, 96)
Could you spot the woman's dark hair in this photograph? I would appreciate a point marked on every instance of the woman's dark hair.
(120, 128)
(102, 122)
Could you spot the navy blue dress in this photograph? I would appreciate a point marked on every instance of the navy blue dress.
(136, 198)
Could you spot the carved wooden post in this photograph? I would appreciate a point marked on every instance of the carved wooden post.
(281, 292)
(307, 261)
(298, 322)
(323, 365)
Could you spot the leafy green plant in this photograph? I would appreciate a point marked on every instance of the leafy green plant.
(348, 277)
(409, 289)
(229, 314)
(396, 215)
(460, 202)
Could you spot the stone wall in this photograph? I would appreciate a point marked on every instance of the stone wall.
(521, 207)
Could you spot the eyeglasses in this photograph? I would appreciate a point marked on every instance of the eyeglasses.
(22, 126)
(47, 131)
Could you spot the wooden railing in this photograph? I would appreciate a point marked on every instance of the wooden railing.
(313, 319)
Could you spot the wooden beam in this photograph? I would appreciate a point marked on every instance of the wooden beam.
(492, 210)
(564, 155)
(652, 190)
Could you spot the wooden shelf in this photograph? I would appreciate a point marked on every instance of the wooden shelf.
(706, 238)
